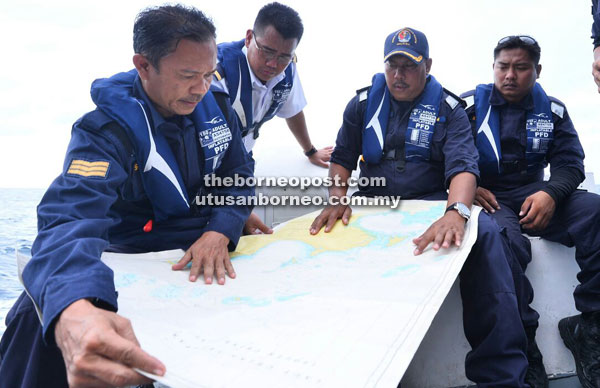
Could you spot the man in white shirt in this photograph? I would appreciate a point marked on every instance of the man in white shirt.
(260, 77)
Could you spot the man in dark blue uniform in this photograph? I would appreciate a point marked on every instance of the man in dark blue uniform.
(133, 169)
(596, 37)
(519, 131)
(416, 134)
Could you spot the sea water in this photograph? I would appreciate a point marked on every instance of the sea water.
(18, 228)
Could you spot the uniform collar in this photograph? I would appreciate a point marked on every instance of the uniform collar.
(399, 107)
(257, 82)
(496, 99)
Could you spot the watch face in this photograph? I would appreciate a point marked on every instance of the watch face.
(463, 210)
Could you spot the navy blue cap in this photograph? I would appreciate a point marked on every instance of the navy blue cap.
(408, 42)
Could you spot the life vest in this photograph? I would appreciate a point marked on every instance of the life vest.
(421, 122)
(539, 128)
(233, 66)
(161, 177)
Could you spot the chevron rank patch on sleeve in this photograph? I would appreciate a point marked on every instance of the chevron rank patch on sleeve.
(88, 169)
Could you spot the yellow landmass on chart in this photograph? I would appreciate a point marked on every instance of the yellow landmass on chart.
(341, 237)
(396, 240)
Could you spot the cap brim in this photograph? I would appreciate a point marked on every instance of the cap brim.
(416, 58)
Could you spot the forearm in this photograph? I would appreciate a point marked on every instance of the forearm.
(66, 263)
(562, 183)
(74, 218)
(339, 176)
(297, 125)
(462, 188)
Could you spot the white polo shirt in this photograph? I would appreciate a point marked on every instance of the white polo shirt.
(262, 96)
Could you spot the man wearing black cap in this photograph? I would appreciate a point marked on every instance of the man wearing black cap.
(416, 134)
(519, 131)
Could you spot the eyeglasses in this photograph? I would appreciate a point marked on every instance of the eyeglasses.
(270, 54)
(528, 40)
(409, 67)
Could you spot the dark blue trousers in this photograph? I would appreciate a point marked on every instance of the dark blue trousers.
(491, 317)
(576, 222)
(491, 322)
(25, 360)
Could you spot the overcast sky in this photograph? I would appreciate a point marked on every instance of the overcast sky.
(52, 51)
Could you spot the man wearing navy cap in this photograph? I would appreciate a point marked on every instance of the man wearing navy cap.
(416, 134)
(519, 131)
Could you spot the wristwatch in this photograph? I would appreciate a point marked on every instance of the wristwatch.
(461, 208)
(310, 152)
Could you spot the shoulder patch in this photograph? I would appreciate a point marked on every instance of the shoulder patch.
(363, 93)
(557, 109)
(470, 100)
(86, 168)
(362, 96)
(453, 102)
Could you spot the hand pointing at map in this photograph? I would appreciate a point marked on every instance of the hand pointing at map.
(331, 214)
(208, 254)
(450, 228)
(443, 233)
(329, 217)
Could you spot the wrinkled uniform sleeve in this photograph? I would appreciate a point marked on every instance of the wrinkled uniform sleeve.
(348, 145)
(565, 150)
(74, 217)
(460, 153)
(230, 219)
(566, 159)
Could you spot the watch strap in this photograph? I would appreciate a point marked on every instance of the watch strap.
(310, 152)
(456, 206)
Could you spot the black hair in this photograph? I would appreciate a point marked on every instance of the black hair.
(158, 30)
(284, 19)
(524, 42)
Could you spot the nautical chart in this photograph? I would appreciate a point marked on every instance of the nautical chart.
(347, 308)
